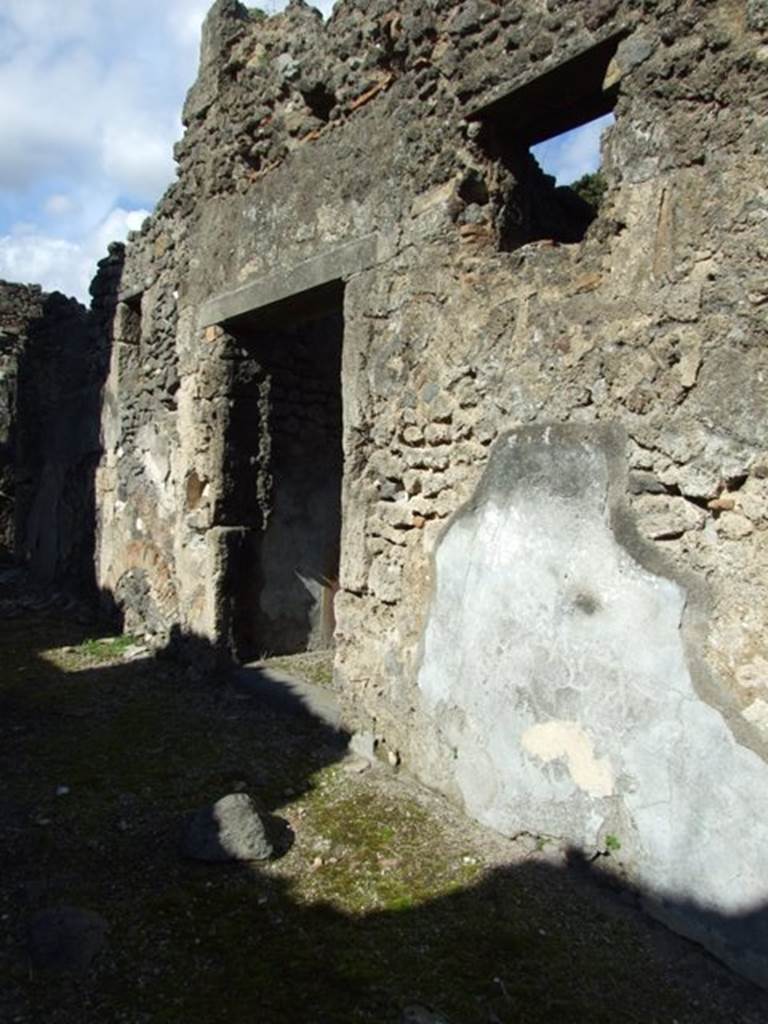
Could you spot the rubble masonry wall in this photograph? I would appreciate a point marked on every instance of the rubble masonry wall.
(637, 356)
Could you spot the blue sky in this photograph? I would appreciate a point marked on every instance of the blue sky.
(90, 99)
(573, 153)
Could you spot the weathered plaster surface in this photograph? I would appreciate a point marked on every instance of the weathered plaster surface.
(561, 700)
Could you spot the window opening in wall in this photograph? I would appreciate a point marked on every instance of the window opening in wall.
(560, 114)
(573, 160)
(129, 318)
(283, 473)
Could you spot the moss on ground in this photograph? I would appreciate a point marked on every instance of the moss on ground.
(312, 666)
(381, 902)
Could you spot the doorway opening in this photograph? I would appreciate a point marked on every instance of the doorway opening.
(283, 473)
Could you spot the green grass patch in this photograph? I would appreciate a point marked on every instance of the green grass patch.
(312, 666)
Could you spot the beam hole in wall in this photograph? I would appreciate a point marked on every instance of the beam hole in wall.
(128, 320)
(554, 115)
(321, 100)
(283, 473)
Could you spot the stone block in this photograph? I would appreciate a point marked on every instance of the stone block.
(229, 830)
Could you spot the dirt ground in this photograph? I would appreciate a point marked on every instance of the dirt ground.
(389, 906)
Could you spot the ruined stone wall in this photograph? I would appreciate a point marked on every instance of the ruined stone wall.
(552, 599)
(51, 370)
(18, 306)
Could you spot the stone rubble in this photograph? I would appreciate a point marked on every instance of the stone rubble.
(229, 830)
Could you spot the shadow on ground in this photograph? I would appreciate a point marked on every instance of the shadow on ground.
(383, 903)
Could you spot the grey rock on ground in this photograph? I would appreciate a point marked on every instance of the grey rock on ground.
(229, 830)
(65, 938)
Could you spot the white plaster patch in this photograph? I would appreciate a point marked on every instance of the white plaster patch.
(552, 741)
(548, 642)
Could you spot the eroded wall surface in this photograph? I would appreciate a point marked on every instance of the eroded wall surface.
(51, 369)
(377, 135)
(18, 306)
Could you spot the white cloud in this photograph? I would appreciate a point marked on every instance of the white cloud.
(115, 227)
(59, 205)
(64, 107)
(184, 21)
(37, 17)
(57, 264)
(139, 160)
(32, 259)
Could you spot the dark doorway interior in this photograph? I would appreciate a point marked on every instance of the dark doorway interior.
(285, 468)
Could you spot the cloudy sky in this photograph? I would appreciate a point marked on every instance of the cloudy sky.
(90, 97)
(573, 153)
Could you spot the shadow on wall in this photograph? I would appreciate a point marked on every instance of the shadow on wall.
(564, 696)
(378, 912)
(57, 447)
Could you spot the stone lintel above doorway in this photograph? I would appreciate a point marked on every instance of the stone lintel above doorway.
(268, 295)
